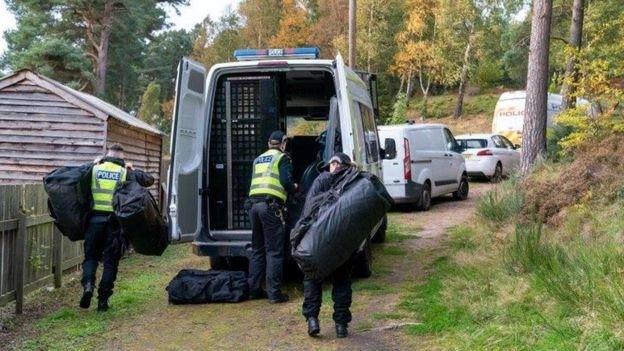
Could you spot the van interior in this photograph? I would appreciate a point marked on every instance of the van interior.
(247, 107)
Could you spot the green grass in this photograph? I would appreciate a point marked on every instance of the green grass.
(393, 251)
(501, 204)
(440, 106)
(70, 328)
(397, 234)
(525, 286)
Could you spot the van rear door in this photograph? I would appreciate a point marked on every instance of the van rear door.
(188, 137)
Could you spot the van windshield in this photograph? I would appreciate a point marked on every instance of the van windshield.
(299, 126)
(472, 143)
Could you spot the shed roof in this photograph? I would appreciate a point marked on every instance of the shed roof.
(100, 108)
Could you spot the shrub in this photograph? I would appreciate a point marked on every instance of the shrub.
(399, 111)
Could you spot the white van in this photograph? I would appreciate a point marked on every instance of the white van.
(427, 163)
(509, 113)
(223, 118)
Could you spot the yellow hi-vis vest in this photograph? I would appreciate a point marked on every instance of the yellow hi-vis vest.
(266, 175)
(104, 180)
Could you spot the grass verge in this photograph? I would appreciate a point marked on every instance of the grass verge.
(507, 282)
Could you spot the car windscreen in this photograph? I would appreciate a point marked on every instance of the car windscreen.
(472, 143)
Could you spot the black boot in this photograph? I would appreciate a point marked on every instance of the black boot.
(279, 298)
(313, 326)
(87, 294)
(258, 295)
(102, 304)
(341, 330)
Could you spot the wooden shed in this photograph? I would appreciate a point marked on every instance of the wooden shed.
(45, 125)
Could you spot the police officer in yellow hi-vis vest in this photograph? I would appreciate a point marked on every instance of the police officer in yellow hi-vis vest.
(103, 239)
(271, 183)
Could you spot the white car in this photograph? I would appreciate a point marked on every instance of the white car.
(422, 161)
(489, 155)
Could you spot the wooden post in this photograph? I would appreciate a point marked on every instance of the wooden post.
(352, 13)
(20, 260)
(58, 259)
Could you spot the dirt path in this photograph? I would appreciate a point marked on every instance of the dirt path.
(258, 325)
(149, 323)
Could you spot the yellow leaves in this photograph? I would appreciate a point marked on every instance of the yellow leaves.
(294, 27)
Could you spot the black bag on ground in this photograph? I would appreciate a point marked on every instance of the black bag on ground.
(335, 223)
(69, 199)
(140, 219)
(194, 286)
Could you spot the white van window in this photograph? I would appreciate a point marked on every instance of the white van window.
(299, 126)
(370, 133)
(427, 139)
(449, 140)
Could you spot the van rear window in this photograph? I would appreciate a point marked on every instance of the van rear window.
(472, 143)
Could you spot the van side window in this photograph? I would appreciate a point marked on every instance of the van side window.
(370, 133)
(449, 140)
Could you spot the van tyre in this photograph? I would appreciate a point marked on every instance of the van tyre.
(498, 173)
(424, 203)
(363, 262)
(380, 235)
(462, 191)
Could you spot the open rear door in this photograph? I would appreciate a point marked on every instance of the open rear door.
(185, 172)
(344, 106)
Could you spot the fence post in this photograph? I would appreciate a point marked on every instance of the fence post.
(58, 259)
(20, 260)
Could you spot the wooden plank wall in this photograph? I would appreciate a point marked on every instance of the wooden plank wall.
(40, 131)
(142, 149)
(39, 240)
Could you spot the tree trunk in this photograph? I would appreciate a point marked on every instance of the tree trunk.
(576, 36)
(534, 130)
(459, 106)
(410, 85)
(101, 63)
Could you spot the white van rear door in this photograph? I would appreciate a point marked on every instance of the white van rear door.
(344, 108)
(188, 137)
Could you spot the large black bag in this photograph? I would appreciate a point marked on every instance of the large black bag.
(69, 199)
(335, 223)
(140, 219)
(193, 286)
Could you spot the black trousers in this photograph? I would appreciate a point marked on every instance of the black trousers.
(102, 243)
(341, 295)
(267, 243)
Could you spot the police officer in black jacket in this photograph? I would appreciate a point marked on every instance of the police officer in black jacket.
(103, 239)
(341, 277)
(271, 184)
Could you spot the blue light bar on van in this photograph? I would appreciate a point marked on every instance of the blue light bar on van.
(263, 54)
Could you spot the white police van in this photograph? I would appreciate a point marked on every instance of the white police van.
(223, 118)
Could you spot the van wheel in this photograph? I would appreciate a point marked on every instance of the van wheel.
(498, 174)
(462, 191)
(424, 203)
(363, 262)
(380, 236)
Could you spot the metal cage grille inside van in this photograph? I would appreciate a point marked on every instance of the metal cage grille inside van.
(245, 112)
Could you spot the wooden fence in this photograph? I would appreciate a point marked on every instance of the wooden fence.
(33, 253)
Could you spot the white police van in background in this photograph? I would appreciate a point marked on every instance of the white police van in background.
(427, 163)
(223, 118)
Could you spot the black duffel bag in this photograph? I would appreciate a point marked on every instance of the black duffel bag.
(335, 223)
(69, 199)
(194, 286)
(140, 219)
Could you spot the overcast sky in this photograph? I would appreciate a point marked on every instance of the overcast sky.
(189, 15)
